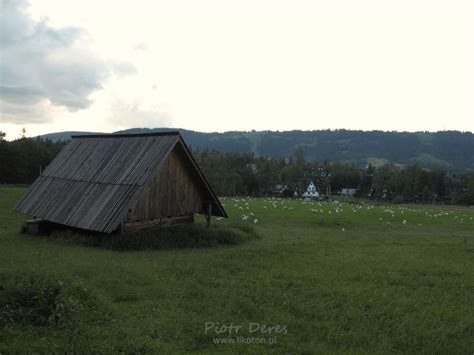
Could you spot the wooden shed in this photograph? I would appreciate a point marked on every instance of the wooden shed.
(114, 182)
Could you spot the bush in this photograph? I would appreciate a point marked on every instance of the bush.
(171, 237)
(398, 200)
(426, 195)
(32, 299)
(466, 198)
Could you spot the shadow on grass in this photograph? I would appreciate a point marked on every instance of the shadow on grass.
(162, 238)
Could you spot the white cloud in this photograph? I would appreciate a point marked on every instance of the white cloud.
(126, 115)
(44, 67)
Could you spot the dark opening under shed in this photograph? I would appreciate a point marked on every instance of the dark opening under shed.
(113, 182)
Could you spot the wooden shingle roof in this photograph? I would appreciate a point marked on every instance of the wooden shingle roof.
(95, 179)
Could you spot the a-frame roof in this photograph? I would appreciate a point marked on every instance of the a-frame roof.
(95, 179)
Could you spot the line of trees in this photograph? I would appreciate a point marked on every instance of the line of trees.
(246, 174)
(22, 159)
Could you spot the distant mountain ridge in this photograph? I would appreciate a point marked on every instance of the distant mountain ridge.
(448, 149)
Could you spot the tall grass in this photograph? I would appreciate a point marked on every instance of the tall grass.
(33, 299)
(163, 238)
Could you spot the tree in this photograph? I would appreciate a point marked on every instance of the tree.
(289, 175)
(299, 157)
(386, 178)
(2, 136)
(439, 182)
(366, 179)
(266, 175)
(21, 159)
(426, 195)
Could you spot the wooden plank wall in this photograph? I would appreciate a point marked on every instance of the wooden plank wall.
(174, 190)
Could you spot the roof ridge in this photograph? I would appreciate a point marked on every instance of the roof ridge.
(128, 135)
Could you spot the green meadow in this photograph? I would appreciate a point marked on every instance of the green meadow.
(339, 277)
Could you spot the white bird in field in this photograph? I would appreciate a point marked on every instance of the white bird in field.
(404, 221)
(255, 221)
(244, 218)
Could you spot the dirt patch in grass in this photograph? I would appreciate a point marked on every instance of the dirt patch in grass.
(163, 238)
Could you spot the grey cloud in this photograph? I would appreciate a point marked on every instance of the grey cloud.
(40, 64)
(22, 114)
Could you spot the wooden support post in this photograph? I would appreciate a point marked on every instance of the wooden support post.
(208, 214)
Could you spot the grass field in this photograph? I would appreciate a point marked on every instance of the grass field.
(321, 278)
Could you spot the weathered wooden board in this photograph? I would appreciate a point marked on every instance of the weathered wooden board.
(173, 191)
(137, 226)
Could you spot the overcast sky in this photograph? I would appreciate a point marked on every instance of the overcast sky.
(216, 65)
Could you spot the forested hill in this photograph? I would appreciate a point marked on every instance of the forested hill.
(450, 149)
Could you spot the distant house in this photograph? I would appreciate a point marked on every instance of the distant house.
(386, 194)
(280, 190)
(311, 191)
(252, 167)
(347, 191)
(114, 182)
